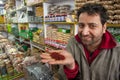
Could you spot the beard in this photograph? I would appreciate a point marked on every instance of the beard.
(89, 40)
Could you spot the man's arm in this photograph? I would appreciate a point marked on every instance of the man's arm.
(71, 74)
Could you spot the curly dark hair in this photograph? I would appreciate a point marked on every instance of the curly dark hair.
(94, 8)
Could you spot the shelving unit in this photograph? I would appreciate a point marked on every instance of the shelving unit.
(33, 14)
(8, 51)
(22, 16)
(41, 14)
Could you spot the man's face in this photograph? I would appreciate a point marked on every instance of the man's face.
(90, 29)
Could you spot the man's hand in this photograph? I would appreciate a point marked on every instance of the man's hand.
(66, 60)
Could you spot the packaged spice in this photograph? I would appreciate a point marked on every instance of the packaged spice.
(3, 70)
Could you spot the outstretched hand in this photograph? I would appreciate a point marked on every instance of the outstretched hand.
(62, 58)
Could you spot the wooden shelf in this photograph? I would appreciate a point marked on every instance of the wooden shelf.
(35, 4)
(2, 23)
(72, 23)
(114, 25)
(54, 1)
(39, 46)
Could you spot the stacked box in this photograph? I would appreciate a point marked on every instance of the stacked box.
(2, 19)
(39, 11)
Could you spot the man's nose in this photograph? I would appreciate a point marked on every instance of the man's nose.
(85, 30)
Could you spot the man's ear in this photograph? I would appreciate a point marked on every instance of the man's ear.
(104, 27)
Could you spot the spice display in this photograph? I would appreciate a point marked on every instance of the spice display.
(58, 37)
(111, 5)
(57, 56)
(9, 55)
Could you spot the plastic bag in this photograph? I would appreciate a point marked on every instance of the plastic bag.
(38, 71)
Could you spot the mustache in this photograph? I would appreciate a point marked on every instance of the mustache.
(85, 36)
(82, 36)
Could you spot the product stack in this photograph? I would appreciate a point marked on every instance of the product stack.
(111, 5)
(9, 55)
(57, 37)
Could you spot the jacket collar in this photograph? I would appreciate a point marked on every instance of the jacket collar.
(108, 41)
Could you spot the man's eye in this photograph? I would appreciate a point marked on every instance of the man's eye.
(92, 26)
(81, 25)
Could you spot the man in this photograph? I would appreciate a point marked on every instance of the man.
(92, 54)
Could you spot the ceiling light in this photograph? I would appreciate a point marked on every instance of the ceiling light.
(1, 2)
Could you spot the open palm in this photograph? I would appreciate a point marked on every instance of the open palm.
(68, 60)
